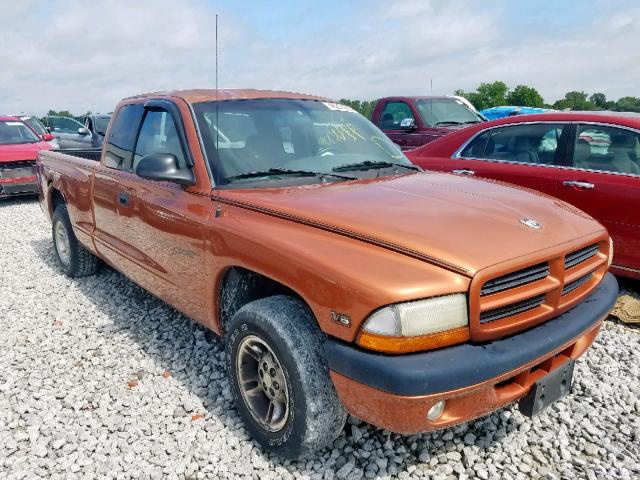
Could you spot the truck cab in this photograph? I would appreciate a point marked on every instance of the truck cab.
(414, 121)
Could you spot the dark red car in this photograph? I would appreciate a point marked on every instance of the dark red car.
(591, 160)
(19, 147)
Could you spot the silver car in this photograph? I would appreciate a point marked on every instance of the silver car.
(70, 133)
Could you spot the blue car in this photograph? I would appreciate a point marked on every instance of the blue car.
(494, 113)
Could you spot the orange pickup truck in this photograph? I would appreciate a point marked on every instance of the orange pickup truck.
(343, 278)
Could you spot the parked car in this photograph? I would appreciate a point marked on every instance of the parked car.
(19, 146)
(495, 113)
(97, 124)
(341, 276)
(71, 133)
(413, 121)
(590, 160)
(36, 125)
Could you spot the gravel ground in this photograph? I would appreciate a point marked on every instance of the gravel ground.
(100, 379)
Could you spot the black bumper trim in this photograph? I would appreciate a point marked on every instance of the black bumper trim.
(466, 365)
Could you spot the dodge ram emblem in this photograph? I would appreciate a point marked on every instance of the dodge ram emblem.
(530, 222)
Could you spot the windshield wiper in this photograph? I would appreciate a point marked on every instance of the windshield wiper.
(449, 122)
(368, 165)
(274, 172)
(471, 121)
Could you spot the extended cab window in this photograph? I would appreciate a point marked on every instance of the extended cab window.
(531, 143)
(158, 135)
(393, 114)
(119, 152)
(607, 149)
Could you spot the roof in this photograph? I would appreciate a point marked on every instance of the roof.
(419, 97)
(210, 95)
(7, 118)
(617, 118)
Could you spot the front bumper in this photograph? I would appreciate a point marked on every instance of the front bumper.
(18, 186)
(395, 392)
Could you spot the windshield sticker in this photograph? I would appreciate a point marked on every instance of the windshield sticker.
(339, 133)
(13, 124)
(338, 107)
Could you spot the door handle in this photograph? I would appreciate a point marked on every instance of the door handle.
(123, 198)
(463, 171)
(578, 184)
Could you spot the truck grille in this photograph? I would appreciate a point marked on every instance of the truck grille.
(512, 309)
(515, 279)
(19, 169)
(580, 256)
(501, 304)
(571, 286)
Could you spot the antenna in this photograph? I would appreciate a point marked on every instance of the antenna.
(217, 169)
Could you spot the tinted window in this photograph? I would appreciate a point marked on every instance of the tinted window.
(158, 135)
(393, 114)
(35, 124)
(534, 143)
(119, 153)
(63, 125)
(607, 149)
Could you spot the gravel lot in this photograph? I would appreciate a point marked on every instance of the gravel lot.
(100, 379)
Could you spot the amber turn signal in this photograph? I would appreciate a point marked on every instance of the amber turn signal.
(388, 344)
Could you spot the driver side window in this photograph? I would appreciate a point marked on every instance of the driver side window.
(158, 134)
(393, 114)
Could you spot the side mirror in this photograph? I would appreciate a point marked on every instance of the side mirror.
(408, 124)
(83, 131)
(47, 137)
(164, 167)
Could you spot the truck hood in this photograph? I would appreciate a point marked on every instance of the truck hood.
(462, 224)
(22, 151)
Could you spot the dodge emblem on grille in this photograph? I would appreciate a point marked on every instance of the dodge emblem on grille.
(530, 222)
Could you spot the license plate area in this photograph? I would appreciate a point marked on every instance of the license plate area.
(548, 389)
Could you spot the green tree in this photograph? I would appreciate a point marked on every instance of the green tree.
(61, 113)
(599, 100)
(574, 100)
(524, 96)
(628, 104)
(364, 107)
(486, 95)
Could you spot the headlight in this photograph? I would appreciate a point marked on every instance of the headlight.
(610, 261)
(420, 325)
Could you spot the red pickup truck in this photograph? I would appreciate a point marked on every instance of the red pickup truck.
(414, 121)
(342, 277)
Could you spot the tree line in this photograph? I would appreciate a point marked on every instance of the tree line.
(496, 94)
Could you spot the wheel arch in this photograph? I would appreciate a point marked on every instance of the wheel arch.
(239, 285)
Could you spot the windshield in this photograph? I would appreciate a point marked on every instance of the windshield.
(35, 124)
(260, 135)
(101, 124)
(445, 111)
(14, 132)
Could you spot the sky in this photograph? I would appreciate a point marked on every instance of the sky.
(81, 55)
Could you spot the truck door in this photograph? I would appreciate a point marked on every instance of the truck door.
(400, 123)
(164, 228)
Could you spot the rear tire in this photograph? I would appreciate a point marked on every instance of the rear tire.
(73, 258)
(280, 379)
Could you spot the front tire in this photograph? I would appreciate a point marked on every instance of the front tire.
(73, 258)
(280, 379)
